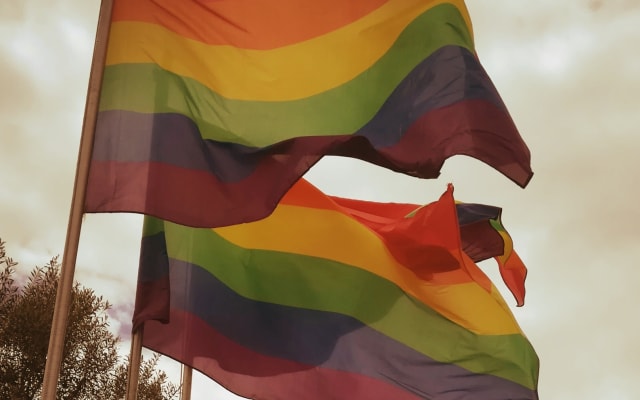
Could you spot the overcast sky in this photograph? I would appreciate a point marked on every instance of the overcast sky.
(569, 72)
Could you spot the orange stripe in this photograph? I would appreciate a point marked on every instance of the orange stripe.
(306, 196)
(246, 24)
(304, 202)
(314, 235)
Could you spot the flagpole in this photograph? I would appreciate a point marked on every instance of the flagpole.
(187, 374)
(135, 356)
(65, 285)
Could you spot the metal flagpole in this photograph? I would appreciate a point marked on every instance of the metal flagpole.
(187, 374)
(135, 355)
(65, 285)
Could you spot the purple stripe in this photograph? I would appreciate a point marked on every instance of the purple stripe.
(479, 239)
(450, 75)
(470, 213)
(191, 341)
(327, 339)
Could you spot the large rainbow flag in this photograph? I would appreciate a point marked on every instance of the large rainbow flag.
(314, 303)
(211, 110)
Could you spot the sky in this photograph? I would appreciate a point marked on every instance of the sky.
(568, 72)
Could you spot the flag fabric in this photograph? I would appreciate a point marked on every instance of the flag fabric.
(313, 303)
(210, 111)
(482, 234)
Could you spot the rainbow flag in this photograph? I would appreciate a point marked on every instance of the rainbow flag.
(312, 303)
(481, 226)
(482, 234)
(229, 102)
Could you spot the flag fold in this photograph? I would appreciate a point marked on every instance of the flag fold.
(230, 102)
(332, 298)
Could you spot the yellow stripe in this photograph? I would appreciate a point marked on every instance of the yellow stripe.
(470, 306)
(315, 234)
(287, 73)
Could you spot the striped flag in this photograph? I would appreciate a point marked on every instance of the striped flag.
(211, 110)
(482, 234)
(314, 303)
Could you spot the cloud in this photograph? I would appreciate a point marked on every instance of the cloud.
(567, 71)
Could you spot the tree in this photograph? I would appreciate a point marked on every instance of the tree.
(91, 365)
(152, 381)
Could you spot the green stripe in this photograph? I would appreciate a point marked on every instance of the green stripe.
(147, 88)
(276, 277)
(497, 225)
(152, 226)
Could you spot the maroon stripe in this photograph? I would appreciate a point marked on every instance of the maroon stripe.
(188, 197)
(484, 131)
(198, 197)
(253, 375)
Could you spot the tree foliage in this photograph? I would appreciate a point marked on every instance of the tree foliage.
(91, 366)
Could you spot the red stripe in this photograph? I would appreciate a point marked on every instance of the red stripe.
(514, 274)
(184, 196)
